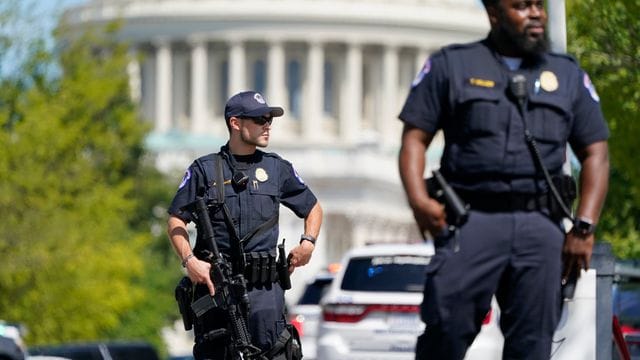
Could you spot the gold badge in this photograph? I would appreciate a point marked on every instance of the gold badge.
(261, 175)
(548, 81)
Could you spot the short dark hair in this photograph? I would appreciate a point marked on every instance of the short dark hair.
(489, 3)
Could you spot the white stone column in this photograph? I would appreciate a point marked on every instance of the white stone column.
(276, 86)
(351, 96)
(237, 66)
(164, 83)
(388, 121)
(199, 78)
(135, 79)
(314, 92)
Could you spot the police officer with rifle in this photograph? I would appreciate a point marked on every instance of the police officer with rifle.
(233, 296)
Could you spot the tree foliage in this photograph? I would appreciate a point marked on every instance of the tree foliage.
(79, 259)
(605, 36)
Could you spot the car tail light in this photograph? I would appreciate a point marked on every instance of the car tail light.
(298, 322)
(351, 313)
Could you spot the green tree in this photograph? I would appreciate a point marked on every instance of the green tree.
(610, 52)
(79, 260)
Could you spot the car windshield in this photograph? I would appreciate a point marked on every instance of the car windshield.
(314, 292)
(626, 303)
(403, 273)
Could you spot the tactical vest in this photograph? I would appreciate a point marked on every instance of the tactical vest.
(484, 133)
(249, 206)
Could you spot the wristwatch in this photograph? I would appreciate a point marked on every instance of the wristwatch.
(583, 226)
(309, 238)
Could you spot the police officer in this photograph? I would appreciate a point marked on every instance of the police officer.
(255, 184)
(513, 242)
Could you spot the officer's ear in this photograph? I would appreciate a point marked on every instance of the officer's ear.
(234, 123)
(494, 14)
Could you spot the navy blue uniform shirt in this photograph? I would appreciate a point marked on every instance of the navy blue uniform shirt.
(272, 181)
(463, 90)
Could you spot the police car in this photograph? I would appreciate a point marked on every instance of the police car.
(11, 345)
(372, 308)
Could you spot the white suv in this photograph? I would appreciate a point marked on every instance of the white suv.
(372, 309)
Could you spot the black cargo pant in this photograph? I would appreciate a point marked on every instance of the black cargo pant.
(517, 257)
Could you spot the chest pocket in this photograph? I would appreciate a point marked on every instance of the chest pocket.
(481, 112)
(480, 131)
(264, 197)
(551, 118)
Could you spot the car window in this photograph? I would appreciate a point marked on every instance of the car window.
(404, 273)
(132, 353)
(71, 352)
(314, 292)
(626, 303)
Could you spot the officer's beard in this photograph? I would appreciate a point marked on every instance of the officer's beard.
(530, 47)
(521, 44)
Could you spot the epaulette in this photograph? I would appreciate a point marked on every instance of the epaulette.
(272, 154)
(207, 158)
(563, 56)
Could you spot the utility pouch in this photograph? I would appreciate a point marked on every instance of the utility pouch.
(184, 296)
(260, 268)
(567, 188)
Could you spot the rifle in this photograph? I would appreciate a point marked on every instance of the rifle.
(231, 293)
(457, 211)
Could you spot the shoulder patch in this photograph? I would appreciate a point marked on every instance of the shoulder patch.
(295, 173)
(590, 87)
(426, 68)
(185, 179)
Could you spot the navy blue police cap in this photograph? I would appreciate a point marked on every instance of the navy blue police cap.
(249, 104)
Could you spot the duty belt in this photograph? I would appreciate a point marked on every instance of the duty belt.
(504, 202)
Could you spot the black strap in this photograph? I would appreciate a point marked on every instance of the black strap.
(280, 344)
(237, 243)
(535, 153)
(237, 257)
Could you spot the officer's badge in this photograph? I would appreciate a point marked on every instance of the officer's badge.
(548, 81)
(590, 87)
(185, 179)
(426, 68)
(261, 175)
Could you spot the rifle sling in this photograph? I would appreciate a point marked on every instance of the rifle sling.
(237, 243)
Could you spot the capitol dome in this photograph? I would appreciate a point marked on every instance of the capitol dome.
(341, 69)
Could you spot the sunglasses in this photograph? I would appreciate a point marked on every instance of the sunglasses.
(260, 120)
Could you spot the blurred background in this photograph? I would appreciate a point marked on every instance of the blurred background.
(104, 103)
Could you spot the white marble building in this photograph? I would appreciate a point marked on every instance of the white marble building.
(340, 68)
